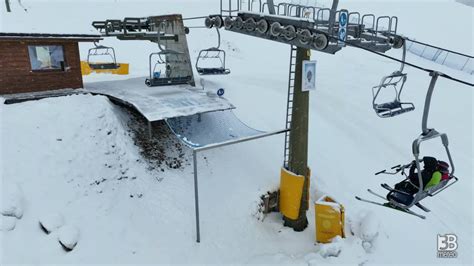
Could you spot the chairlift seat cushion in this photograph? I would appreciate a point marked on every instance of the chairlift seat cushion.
(104, 66)
(392, 109)
(213, 71)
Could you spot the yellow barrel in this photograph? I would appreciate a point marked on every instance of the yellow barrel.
(329, 215)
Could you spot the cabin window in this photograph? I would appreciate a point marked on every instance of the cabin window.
(46, 57)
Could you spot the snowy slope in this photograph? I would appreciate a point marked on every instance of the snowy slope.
(55, 149)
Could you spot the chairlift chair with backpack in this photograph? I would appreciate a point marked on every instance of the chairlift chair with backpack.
(421, 182)
(395, 81)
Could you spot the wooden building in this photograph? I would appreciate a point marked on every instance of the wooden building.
(40, 62)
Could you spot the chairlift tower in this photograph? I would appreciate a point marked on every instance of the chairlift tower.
(304, 28)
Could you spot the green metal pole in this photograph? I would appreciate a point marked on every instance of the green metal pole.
(298, 160)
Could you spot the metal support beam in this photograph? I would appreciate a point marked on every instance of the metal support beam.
(150, 130)
(298, 161)
(7, 4)
(271, 7)
(429, 95)
(196, 197)
(332, 16)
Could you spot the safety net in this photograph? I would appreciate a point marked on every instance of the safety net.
(204, 129)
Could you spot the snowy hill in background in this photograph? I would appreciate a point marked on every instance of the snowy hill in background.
(58, 151)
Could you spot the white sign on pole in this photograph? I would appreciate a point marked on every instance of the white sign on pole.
(343, 21)
(309, 75)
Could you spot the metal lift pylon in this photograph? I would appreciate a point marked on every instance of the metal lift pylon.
(304, 28)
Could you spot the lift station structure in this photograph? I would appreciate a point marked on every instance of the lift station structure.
(303, 28)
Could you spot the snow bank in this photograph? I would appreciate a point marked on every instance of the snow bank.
(366, 227)
(50, 222)
(68, 236)
(8, 223)
(332, 249)
(12, 201)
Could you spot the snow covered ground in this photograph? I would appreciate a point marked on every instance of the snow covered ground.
(75, 157)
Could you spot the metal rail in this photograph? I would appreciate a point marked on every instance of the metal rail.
(215, 146)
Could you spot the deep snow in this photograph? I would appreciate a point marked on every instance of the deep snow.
(59, 152)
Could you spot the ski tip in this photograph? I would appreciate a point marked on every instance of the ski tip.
(357, 198)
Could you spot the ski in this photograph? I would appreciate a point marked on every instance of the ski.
(375, 194)
(389, 205)
(422, 207)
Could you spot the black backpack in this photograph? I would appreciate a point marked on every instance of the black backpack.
(411, 185)
(430, 165)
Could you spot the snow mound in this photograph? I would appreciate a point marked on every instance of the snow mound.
(332, 249)
(12, 201)
(68, 237)
(366, 227)
(8, 223)
(51, 222)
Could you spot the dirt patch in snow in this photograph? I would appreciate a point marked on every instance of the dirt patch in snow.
(162, 151)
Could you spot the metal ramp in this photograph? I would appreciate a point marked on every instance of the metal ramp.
(224, 125)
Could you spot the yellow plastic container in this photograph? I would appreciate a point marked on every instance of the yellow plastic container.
(329, 215)
(123, 69)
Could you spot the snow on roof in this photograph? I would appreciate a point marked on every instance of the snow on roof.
(77, 37)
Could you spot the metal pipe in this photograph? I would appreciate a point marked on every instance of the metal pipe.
(196, 197)
(231, 142)
(434, 77)
(271, 7)
(150, 131)
(332, 16)
(218, 38)
(7, 3)
(404, 56)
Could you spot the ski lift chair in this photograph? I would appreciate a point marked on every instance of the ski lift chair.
(163, 58)
(395, 81)
(396, 107)
(214, 54)
(157, 77)
(105, 51)
(403, 200)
